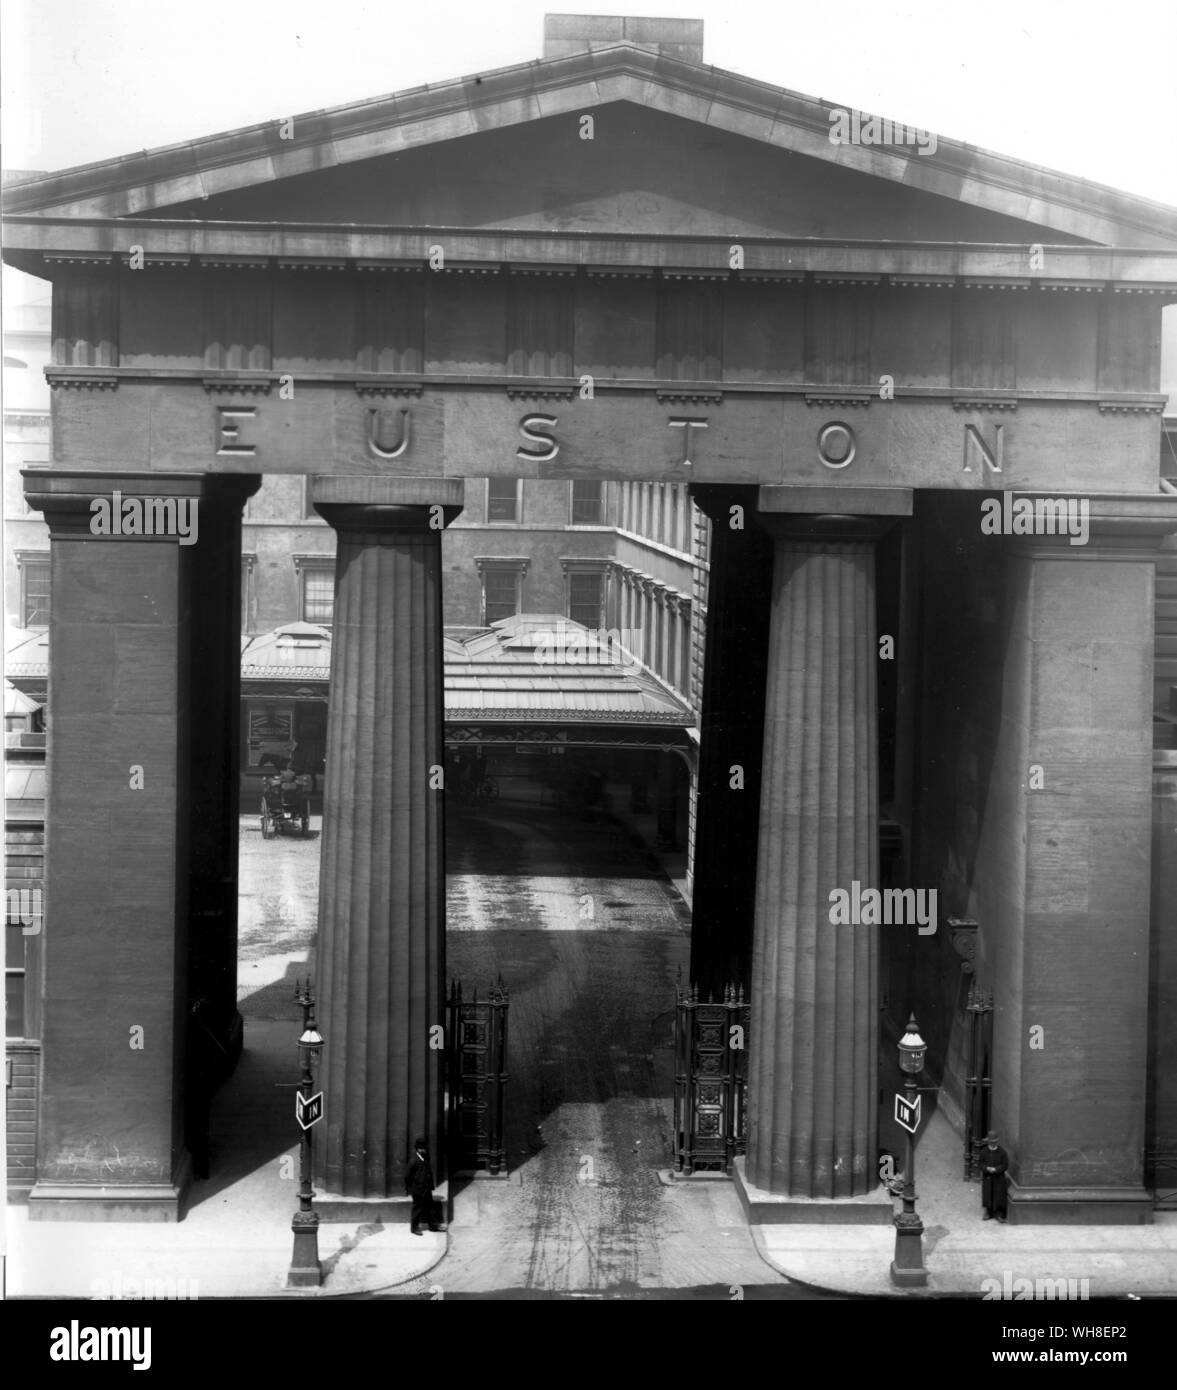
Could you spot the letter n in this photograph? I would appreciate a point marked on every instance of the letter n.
(974, 444)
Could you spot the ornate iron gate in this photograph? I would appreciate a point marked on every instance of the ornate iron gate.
(978, 1078)
(710, 1080)
(476, 1079)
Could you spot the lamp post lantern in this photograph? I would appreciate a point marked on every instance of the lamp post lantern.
(305, 1269)
(907, 1268)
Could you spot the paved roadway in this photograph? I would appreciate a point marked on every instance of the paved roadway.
(589, 938)
(590, 1058)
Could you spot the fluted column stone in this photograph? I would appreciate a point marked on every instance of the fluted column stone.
(381, 946)
(813, 1046)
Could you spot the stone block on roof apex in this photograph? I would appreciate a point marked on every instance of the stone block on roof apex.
(569, 34)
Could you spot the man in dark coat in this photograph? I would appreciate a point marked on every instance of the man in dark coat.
(994, 1165)
(419, 1186)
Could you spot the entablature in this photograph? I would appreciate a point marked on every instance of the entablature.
(37, 244)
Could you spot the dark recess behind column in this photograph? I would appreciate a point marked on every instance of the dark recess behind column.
(734, 671)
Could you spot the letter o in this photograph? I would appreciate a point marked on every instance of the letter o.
(833, 430)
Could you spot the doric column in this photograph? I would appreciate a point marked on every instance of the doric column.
(381, 948)
(814, 1041)
(122, 667)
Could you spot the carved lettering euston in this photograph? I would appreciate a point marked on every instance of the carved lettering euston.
(622, 433)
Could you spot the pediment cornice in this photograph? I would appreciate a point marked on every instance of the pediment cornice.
(145, 182)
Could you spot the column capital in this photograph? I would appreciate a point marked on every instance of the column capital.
(374, 502)
(829, 515)
(67, 497)
(806, 499)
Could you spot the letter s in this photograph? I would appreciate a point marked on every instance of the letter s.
(538, 436)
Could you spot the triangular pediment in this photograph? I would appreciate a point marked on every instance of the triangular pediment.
(676, 148)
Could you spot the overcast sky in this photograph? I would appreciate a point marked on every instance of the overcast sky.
(1071, 84)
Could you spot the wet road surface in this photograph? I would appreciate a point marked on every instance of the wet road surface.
(590, 939)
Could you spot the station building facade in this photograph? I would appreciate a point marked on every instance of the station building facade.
(847, 354)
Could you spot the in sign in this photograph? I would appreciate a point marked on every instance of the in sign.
(907, 1115)
(308, 1110)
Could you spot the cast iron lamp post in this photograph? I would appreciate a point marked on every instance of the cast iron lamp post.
(305, 1270)
(907, 1268)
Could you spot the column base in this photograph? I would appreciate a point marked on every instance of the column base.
(388, 1211)
(764, 1208)
(1079, 1206)
(84, 1201)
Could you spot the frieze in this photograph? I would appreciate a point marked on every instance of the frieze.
(420, 425)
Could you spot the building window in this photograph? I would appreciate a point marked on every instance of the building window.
(500, 595)
(34, 590)
(14, 979)
(502, 499)
(247, 563)
(318, 593)
(588, 503)
(585, 594)
(502, 585)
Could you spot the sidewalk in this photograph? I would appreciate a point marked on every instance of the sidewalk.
(235, 1241)
(961, 1250)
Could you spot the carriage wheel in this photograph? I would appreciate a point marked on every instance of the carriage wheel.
(306, 821)
(269, 829)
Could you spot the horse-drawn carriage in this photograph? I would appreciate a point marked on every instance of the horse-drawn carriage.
(286, 801)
